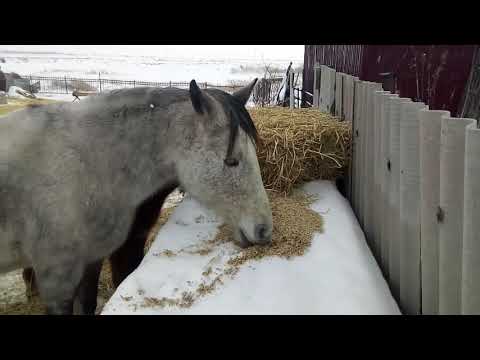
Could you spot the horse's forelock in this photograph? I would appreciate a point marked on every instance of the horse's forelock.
(236, 112)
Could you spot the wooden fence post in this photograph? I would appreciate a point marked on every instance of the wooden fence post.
(360, 130)
(430, 125)
(316, 84)
(327, 89)
(351, 88)
(323, 88)
(364, 159)
(347, 97)
(471, 232)
(385, 181)
(339, 95)
(368, 141)
(355, 145)
(408, 228)
(332, 87)
(378, 171)
(394, 194)
(450, 213)
(348, 101)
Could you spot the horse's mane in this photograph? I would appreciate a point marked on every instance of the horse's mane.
(239, 116)
(234, 108)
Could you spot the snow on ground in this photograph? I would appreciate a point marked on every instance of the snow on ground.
(135, 67)
(12, 92)
(337, 275)
(132, 66)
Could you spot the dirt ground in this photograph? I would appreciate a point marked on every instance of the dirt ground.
(18, 103)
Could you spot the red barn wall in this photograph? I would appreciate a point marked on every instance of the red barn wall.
(434, 74)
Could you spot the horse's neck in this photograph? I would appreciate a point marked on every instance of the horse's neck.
(137, 148)
(155, 136)
(155, 159)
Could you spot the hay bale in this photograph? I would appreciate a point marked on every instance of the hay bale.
(300, 145)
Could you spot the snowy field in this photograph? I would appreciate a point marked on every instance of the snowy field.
(337, 275)
(132, 66)
(202, 63)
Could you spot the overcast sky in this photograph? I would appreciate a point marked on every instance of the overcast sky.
(260, 52)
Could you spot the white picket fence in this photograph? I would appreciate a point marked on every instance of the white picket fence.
(415, 188)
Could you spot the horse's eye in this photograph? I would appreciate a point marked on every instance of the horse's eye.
(231, 162)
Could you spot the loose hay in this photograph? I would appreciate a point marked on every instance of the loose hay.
(300, 145)
(31, 307)
(294, 225)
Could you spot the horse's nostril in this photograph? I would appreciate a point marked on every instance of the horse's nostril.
(261, 232)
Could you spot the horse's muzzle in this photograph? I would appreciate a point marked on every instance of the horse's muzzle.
(244, 242)
(263, 234)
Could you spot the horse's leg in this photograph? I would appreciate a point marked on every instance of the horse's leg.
(86, 299)
(58, 285)
(123, 261)
(127, 258)
(30, 282)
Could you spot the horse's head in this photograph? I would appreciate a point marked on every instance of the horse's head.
(221, 168)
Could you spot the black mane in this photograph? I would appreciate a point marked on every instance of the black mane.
(239, 116)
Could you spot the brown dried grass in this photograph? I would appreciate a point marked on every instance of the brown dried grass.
(300, 145)
(294, 225)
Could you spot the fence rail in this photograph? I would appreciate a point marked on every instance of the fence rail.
(414, 186)
(66, 85)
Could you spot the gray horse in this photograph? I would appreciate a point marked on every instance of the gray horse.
(82, 182)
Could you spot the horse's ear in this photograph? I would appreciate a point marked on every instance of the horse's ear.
(244, 93)
(199, 102)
